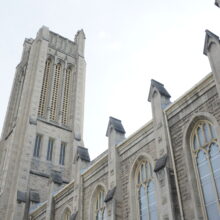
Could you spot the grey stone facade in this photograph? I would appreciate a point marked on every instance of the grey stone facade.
(72, 191)
(60, 97)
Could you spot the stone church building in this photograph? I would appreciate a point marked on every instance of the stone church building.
(169, 169)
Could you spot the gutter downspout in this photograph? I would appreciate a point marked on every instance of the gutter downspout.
(174, 167)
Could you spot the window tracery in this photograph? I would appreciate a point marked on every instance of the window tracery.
(146, 192)
(100, 210)
(206, 158)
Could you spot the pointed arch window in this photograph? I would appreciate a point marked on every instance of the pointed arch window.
(100, 210)
(66, 96)
(44, 89)
(206, 159)
(146, 192)
(66, 214)
(37, 145)
(55, 92)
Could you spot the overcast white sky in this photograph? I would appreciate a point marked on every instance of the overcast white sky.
(128, 43)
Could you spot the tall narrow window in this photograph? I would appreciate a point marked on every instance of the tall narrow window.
(100, 210)
(50, 149)
(66, 96)
(37, 145)
(44, 89)
(146, 193)
(67, 214)
(55, 92)
(206, 158)
(62, 153)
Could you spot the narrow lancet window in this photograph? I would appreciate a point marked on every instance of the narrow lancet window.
(55, 90)
(37, 145)
(50, 149)
(146, 193)
(100, 210)
(62, 153)
(44, 89)
(66, 214)
(206, 158)
(66, 96)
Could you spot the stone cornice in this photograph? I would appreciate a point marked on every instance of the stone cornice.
(135, 136)
(64, 190)
(103, 159)
(39, 210)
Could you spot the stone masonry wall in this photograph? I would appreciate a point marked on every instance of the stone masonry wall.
(126, 168)
(41, 185)
(144, 144)
(206, 102)
(64, 202)
(91, 180)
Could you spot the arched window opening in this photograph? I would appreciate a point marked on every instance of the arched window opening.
(44, 89)
(66, 96)
(206, 158)
(55, 92)
(146, 192)
(62, 153)
(37, 145)
(100, 210)
(66, 214)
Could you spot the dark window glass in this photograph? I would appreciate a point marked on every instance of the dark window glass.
(37, 145)
(62, 153)
(50, 149)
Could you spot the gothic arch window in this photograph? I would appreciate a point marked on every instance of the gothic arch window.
(100, 210)
(37, 145)
(98, 206)
(55, 92)
(65, 102)
(146, 196)
(206, 159)
(44, 89)
(66, 214)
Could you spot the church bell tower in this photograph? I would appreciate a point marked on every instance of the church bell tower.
(44, 122)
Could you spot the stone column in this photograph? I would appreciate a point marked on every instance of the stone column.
(116, 134)
(81, 161)
(50, 211)
(160, 99)
(80, 88)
